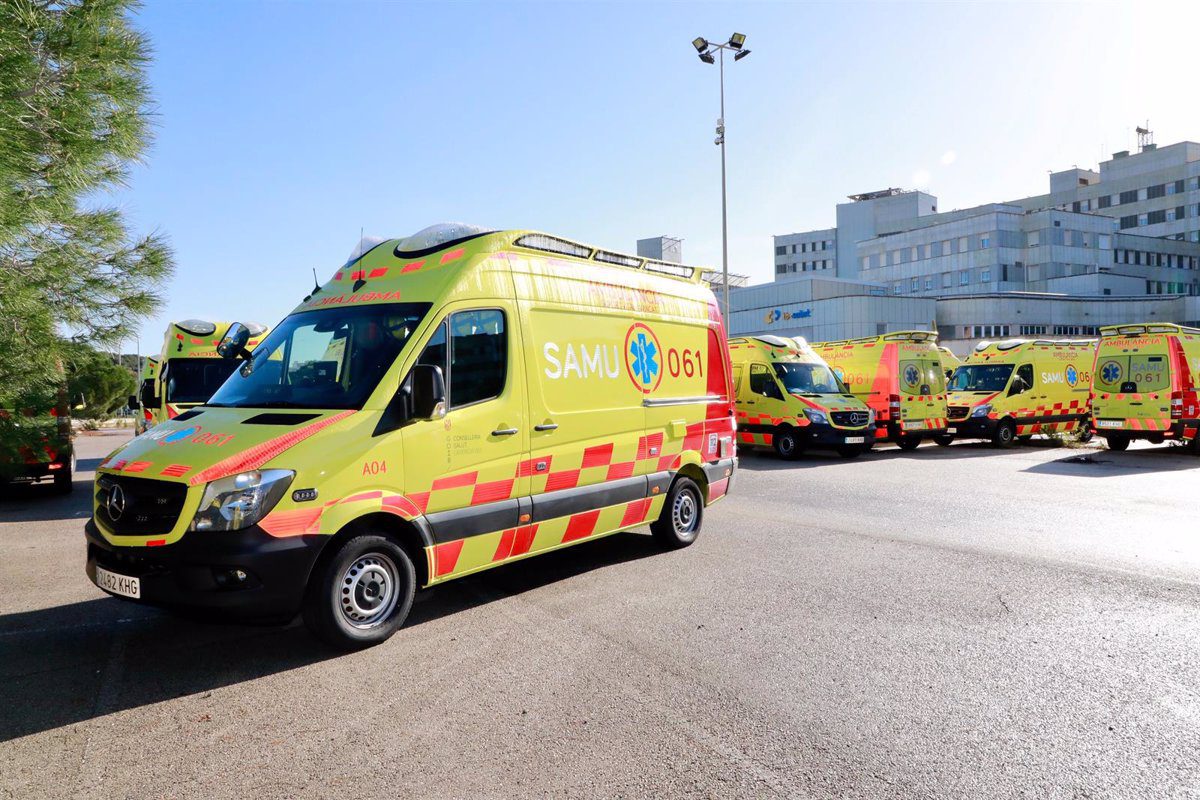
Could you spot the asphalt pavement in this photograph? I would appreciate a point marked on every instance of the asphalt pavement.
(951, 622)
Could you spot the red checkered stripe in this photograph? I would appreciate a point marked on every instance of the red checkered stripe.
(759, 439)
(745, 418)
(422, 265)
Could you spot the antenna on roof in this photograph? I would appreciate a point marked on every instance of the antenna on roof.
(1145, 137)
(362, 280)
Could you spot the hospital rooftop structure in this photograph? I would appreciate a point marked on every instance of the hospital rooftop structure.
(1118, 245)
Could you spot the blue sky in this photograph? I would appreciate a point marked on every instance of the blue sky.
(286, 127)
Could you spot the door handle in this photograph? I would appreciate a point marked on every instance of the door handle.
(504, 432)
(548, 426)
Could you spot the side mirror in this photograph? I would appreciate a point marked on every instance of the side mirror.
(233, 343)
(428, 392)
(133, 401)
(1018, 386)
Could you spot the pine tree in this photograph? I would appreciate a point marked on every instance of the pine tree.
(74, 115)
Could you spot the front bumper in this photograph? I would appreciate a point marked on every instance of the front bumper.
(972, 428)
(825, 435)
(195, 572)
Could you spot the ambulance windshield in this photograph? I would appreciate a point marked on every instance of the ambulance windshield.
(799, 378)
(323, 359)
(980, 378)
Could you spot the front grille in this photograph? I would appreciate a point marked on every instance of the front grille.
(958, 412)
(151, 507)
(851, 419)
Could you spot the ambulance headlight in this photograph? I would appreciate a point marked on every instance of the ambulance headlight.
(870, 415)
(982, 411)
(239, 501)
(816, 417)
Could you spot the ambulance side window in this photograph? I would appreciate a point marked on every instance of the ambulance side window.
(763, 382)
(1022, 380)
(478, 356)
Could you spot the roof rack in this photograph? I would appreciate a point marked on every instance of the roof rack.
(565, 247)
(1143, 328)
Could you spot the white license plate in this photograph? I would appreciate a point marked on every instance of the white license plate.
(916, 425)
(856, 439)
(123, 585)
(951, 430)
(1108, 423)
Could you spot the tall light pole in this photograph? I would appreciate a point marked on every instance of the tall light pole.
(736, 44)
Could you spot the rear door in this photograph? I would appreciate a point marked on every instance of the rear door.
(922, 390)
(1133, 383)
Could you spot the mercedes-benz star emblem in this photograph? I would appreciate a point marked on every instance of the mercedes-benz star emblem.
(116, 503)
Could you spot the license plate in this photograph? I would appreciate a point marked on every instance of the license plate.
(856, 439)
(916, 425)
(951, 430)
(1108, 423)
(123, 585)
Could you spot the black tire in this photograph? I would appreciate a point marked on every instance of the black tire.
(1117, 443)
(1083, 434)
(850, 451)
(362, 595)
(678, 525)
(1005, 435)
(908, 442)
(1025, 439)
(786, 443)
(64, 481)
(943, 440)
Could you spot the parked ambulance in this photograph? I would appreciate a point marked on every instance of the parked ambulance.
(188, 370)
(789, 399)
(1017, 388)
(445, 403)
(1144, 384)
(899, 376)
(143, 413)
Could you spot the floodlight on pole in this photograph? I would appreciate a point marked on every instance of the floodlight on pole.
(706, 50)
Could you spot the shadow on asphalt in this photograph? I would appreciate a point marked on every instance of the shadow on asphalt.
(41, 502)
(77, 662)
(1108, 464)
(761, 459)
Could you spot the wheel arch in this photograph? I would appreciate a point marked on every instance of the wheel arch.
(412, 536)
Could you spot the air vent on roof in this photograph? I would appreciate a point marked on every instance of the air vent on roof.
(195, 412)
(665, 268)
(617, 258)
(197, 327)
(276, 418)
(552, 244)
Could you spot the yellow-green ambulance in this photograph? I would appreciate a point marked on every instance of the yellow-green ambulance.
(948, 360)
(1144, 385)
(1017, 388)
(899, 376)
(143, 403)
(789, 399)
(188, 370)
(445, 403)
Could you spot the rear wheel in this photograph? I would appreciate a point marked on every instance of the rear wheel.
(1083, 434)
(1005, 435)
(362, 595)
(678, 525)
(786, 443)
(908, 442)
(943, 440)
(1117, 443)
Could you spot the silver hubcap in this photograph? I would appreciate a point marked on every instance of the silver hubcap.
(786, 445)
(368, 591)
(683, 514)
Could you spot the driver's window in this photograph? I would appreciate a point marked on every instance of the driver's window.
(763, 382)
(1022, 379)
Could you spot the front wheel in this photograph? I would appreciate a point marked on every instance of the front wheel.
(850, 451)
(362, 595)
(908, 442)
(943, 440)
(1005, 435)
(1117, 443)
(678, 525)
(786, 443)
